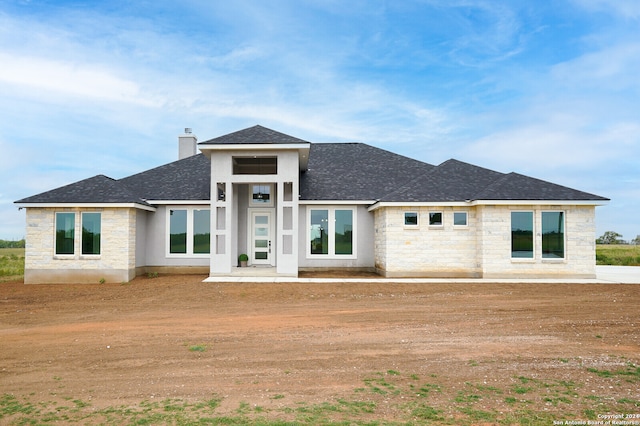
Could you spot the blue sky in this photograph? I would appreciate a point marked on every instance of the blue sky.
(549, 89)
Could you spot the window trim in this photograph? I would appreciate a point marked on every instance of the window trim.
(190, 230)
(564, 237)
(533, 237)
(466, 219)
(409, 225)
(331, 233)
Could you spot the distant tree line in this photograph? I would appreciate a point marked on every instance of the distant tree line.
(611, 237)
(12, 244)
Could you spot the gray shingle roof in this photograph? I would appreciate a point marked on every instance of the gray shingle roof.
(455, 180)
(186, 179)
(355, 171)
(97, 189)
(336, 171)
(254, 135)
(514, 186)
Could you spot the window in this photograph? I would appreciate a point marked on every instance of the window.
(344, 232)
(261, 195)
(178, 231)
(201, 231)
(410, 219)
(522, 235)
(319, 231)
(65, 233)
(91, 223)
(331, 232)
(255, 165)
(459, 218)
(553, 235)
(189, 231)
(435, 219)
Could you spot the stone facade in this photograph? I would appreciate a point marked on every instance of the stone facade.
(115, 263)
(483, 247)
(495, 240)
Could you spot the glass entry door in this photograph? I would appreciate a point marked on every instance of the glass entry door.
(261, 237)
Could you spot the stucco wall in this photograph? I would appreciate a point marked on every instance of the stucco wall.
(483, 249)
(156, 258)
(116, 262)
(364, 235)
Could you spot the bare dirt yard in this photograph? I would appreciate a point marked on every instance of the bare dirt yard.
(175, 350)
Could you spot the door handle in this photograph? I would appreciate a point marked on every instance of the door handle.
(269, 246)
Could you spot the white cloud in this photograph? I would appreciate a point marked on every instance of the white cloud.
(70, 79)
(629, 9)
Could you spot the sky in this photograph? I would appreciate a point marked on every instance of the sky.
(548, 88)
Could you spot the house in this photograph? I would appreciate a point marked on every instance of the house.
(292, 205)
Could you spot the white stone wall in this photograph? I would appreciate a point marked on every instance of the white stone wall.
(495, 239)
(116, 262)
(483, 249)
(437, 251)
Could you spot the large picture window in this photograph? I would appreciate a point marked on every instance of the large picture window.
(331, 232)
(65, 233)
(91, 224)
(553, 235)
(189, 231)
(522, 235)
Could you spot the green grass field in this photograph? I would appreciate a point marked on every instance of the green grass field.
(619, 255)
(11, 263)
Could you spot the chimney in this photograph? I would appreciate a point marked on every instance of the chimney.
(187, 144)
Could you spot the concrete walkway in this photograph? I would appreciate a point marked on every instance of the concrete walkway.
(604, 275)
(619, 274)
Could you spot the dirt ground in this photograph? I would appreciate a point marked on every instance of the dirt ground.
(447, 353)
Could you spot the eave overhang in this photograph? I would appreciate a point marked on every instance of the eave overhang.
(255, 148)
(336, 202)
(86, 205)
(473, 203)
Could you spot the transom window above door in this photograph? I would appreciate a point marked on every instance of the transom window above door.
(261, 195)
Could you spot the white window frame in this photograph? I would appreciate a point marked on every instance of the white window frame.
(466, 214)
(441, 224)
(331, 233)
(404, 220)
(189, 253)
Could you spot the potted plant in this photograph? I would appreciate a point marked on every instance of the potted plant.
(242, 260)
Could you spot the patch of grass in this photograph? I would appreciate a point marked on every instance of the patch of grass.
(521, 390)
(425, 412)
(198, 348)
(467, 398)
(617, 254)
(631, 373)
(11, 263)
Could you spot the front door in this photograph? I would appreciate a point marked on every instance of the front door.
(261, 237)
